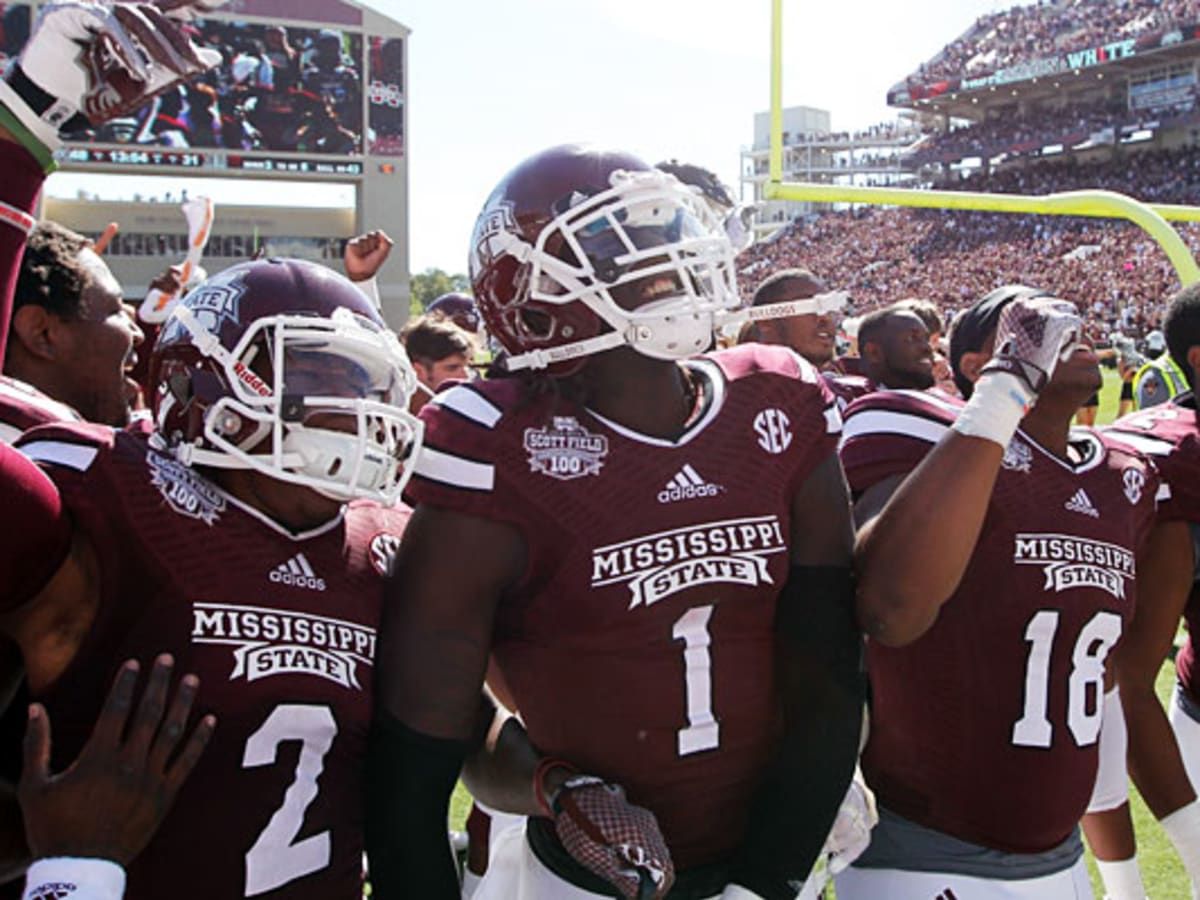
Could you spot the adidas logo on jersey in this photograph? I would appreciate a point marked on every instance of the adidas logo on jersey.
(687, 485)
(1082, 503)
(296, 572)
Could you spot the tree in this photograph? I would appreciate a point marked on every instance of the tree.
(431, 284)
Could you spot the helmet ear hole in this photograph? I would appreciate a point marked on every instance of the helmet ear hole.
(537, 322)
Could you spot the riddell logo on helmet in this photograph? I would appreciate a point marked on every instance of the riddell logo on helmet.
(252, 381)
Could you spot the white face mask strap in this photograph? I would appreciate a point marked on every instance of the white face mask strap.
(817, 305)
(540, 359)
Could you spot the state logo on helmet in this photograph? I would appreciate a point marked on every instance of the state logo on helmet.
(579, 250)
(284, 366)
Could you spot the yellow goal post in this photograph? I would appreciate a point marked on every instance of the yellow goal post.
(1152, 218)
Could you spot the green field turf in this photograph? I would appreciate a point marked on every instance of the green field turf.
(1162, 872)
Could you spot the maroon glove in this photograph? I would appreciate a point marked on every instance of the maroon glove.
(611, 837)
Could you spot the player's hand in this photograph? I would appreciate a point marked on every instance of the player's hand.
(101, 60)
(610, 836)
(851, 832)
(1032, 337)
(366, 254)
(111, 800)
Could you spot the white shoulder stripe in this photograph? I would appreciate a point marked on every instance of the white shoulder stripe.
(1164, 493)
(833, 420)
(61, 453)
(1155, 446)
(454, 470)
(471, 405)
(878, 421)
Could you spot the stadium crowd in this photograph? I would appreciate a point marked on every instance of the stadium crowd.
(882, 255)
(1025, 33)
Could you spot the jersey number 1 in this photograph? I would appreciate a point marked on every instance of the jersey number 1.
(1095, 639)
(703, 732)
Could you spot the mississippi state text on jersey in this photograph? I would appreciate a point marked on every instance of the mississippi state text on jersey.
(639, 644)
(986, 727)
(280, 628)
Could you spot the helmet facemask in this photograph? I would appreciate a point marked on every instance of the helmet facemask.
(647, 256)
(340, 424)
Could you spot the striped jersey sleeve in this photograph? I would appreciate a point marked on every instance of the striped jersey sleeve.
(462, 463)
(889, 432)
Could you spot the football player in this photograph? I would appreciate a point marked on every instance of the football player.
(895, 349)
(81, 63)
(248, 537)
(659, 550)
(990, 612)
(73, 340)
(1164, 757)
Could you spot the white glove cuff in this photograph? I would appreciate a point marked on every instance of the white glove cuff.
(73, 878)
(1183, 828)
(36, 127)
(370, 287)
(996, 408)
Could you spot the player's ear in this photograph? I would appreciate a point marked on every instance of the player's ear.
(970, 364)
(1193, 359)
(33, 328)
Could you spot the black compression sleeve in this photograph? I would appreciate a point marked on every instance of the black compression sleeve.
(823, 686)
(410, 777)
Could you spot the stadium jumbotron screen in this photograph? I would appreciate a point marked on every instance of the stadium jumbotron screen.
(287, 98)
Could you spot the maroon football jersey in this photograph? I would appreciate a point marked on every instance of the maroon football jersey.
(22, 406)
(847, 388)
(1168, 434)
(986, 727)
(638, 644)
(280, 629)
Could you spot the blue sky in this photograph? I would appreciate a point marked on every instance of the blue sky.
(492, 82)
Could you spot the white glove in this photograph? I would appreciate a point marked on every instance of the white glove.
(96, 59)
(851, 832)
(1033, 336)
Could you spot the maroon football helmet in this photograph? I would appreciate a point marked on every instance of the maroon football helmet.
(284, 366)
(579, 250)
(458, 308)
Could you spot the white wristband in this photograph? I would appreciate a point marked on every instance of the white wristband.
(38, 127)
(370, 287)
(1183, 828)
(997, 406)
(1122, 879)
(72, 878)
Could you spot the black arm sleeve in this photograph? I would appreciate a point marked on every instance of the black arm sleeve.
(410, 777)
(823, 686)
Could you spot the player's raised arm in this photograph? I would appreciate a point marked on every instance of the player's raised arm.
(84, 61)
(910, 556)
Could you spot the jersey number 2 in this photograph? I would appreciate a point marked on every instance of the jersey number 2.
(1095, 639)
(277, 857)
